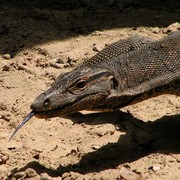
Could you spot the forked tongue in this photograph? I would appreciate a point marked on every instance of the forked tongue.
(26, 119)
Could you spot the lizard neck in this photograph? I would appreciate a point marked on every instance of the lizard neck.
(171, 88)
(116, 102)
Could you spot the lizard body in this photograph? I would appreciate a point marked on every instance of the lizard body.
(124, 73)
(139, 70)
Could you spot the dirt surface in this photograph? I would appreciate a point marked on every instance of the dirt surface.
(36, 45)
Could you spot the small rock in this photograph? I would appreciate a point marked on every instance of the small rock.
(43, 52)
(19, 175)
(3, 158)
(26, 53)
(134, 28)
(95, 49)
(3, 106)
(45, 176)
(56, 65)
(6, 117)
(74, 175)
(155, 167)
(66, 65)
(59, 61)
(54, 148)
(26, 69)
(6, 67)
(30, 173)
(65, 175)
(98, 132)
(71, 61)
(128, 174)
(95, 147)
(156, 30)
(7, 56)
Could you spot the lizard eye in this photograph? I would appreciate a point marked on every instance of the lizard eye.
(81, 84)
(47, 102)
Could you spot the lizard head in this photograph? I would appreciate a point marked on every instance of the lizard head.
(80, 89)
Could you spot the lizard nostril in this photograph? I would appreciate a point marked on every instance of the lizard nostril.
(47, 102)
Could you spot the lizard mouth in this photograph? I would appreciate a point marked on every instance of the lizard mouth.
(47, 114)
(77, 105)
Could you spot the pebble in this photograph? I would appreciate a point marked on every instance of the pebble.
(66, 65)
(128, 174)
(155, 167)
(70, 175)
(19, 175)
(74, 175)
(95, 49)
(71, 61)
(56, 65)
(3, 158)
(6, 67)
(45, 176)
(3, 106)
(65, 175)
(30, 173)
(7, 56)
(98, 132)
(95, 147)
(26, 69)
(60, 61)
(43, 52)
(6, 117)
(101, 131)
(156, 30)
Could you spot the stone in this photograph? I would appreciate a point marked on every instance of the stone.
(7, 56)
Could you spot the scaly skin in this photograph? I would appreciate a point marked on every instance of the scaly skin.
(109, 81)
(124, 73)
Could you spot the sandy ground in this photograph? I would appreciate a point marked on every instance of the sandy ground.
(36, 45)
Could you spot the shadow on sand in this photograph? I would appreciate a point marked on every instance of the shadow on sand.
(141, 139)
(24, 24)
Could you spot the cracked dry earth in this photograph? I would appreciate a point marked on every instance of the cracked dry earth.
(138, 142)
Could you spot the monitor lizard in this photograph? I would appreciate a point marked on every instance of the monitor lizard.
(126, 72)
